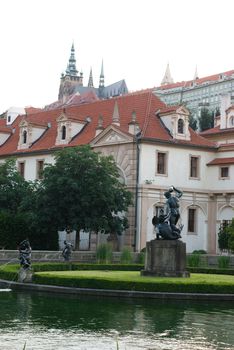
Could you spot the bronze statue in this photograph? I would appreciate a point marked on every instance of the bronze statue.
(25, 254)
(166, 222)
(66, 253)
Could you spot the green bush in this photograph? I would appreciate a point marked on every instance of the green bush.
(211, 270)
(200, 251)
(223, 262)
(141, 258)
(223, 238)
(226, 237)
(126, 256)
(193, 260)
(104, 253)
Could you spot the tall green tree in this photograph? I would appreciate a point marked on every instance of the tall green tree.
(82, 191)
(15, 211)
(206, 119)
(193, 122)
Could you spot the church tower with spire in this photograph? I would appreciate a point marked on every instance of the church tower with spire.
(71, 84)
(70, 79)
(90, 82)
(167, 79)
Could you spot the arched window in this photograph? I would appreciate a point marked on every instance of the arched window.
(24, 136)
(63, 131)
(180, 126)
(231, 121)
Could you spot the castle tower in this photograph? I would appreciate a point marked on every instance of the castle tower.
(70, 79)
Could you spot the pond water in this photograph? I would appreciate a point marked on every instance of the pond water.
(54, 322)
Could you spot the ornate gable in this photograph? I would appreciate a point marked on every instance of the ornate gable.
(111, 135)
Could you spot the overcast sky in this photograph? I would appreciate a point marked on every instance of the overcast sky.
(135, 38)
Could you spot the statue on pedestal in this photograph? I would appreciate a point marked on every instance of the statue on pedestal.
(166, 222)
(25, 252)
(66, 253)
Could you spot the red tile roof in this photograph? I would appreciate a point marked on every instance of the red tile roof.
(221, 161)
(144, 103)
(74, 100)
(210, 78)
(216, 130)
(31, 110)
(4, 128)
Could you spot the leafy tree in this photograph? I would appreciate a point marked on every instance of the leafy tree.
(82, 191)
(226, 237)
(206, 119)
(223, 238)
(15, 211)
(230, 231)
(193, 122)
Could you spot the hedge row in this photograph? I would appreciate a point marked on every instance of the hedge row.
(157, 285)
(81, 266)
(211, 270)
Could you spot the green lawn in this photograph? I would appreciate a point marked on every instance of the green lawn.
(132, 280)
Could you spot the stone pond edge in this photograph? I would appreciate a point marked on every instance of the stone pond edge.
(113, 293)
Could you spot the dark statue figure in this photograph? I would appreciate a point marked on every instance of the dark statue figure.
(66, 253)
(25, 253)
(166, 222)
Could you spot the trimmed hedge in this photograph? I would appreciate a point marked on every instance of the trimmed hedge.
(10, 272)
(81, 266)
(211, 270)
(132, 281)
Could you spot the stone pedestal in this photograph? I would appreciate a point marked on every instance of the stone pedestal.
(25, 275)
(165, 258)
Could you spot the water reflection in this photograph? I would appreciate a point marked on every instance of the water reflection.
(93, 323)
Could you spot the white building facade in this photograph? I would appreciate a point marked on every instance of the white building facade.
(153, 147)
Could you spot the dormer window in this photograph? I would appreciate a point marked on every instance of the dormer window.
(176, 120)
(63, 133)
(68, 127)
(30, 133)
(180, 126)
(24, 136)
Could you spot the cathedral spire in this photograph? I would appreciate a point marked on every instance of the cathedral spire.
(71, 68)
(167, 79)
(101, 80)
(90, 83)
(196, 74)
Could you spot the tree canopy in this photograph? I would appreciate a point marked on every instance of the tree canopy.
(206, 119)
(15, 209)
(82, 191)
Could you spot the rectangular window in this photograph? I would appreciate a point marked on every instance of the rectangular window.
(191, 220)
(21, 168)
(224, 172)
(40, 167)
(161, 166)
(194, 166)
